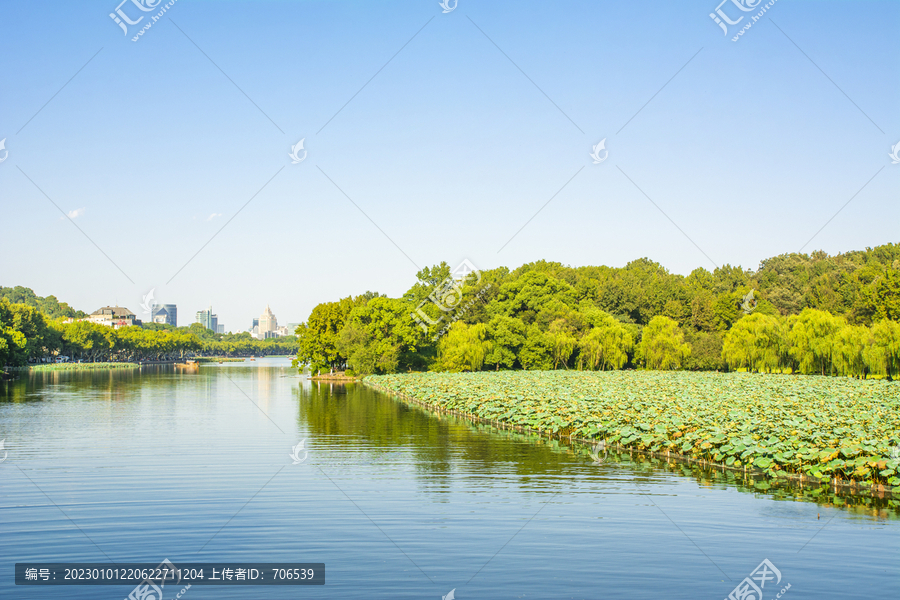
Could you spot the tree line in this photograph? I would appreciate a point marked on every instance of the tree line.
(27, 335)
(812, 313)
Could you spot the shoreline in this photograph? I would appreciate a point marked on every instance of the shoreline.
(799, 480)
(76, 367)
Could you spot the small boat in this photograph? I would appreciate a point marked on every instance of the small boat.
(252, 358)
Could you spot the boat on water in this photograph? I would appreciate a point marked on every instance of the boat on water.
(252, 358)
(188, 365)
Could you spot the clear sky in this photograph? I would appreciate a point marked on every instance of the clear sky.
(431, 136)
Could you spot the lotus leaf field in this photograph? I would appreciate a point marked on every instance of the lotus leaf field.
(821, 427)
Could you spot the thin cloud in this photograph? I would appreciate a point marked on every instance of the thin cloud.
(74, 214)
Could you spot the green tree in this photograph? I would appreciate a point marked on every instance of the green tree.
(563, 342)
(756, 342)
(537, 351)
(317, 338)
(49, 305)
(25, 332)
(606, 345)
(848, 354)
(812, 338)
(507, 335)
(384, 331)
(13, 342)
(706, 351)
(882, 357)
(662, 344)
(463, 348)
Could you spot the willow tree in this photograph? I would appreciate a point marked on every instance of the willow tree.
(882, 356)
(848, 355)
(606, 345)
(662, 344)
(463, 348)
(563, 342)
(756, 342)
(812, 340)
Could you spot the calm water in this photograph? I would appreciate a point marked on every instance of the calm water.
(396, 501)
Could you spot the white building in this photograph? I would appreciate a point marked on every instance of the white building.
(113, 316)
(267, 324)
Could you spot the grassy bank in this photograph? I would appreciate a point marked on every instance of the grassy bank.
(822, 428)
(76, 366)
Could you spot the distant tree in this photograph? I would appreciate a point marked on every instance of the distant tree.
(880, 299)
(812, 341)
(507, 335)
(383, 332)
(562, 339)
(662, 344)
(882, 356)
(606, 345)
(848, 354)
(706, 351)
(49, 305)
(13, 342)
(317, 338)
(463, 348)
(755, 342)
(537, 351)
(703, 316)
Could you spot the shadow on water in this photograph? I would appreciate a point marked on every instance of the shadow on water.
(438, 440)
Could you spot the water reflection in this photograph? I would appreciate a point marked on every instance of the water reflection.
(441, 444)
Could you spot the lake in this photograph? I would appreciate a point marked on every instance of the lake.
(398, 502)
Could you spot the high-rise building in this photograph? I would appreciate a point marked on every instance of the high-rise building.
(220, 328)
(267, 323)
(208, 320)
(164, 313)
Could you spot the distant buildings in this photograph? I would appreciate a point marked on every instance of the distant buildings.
(208, 319)
(164, 313)
(266, 326)
(113, 316)
(267, 323)
(220, 328)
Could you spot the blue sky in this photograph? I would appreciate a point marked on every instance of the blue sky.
(487, 112)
